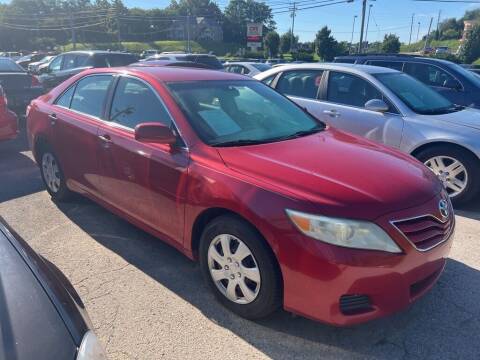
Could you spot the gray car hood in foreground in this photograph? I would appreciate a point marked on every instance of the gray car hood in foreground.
(468, 117)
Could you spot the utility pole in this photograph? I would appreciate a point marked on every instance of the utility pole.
(438, 23)
(353, 30)
(428, 34)
(119, 33)
(294, 10)
(364, 8)
(411, 29)
(418, 31)
(368, 21)
(72, 27)
(189, 50)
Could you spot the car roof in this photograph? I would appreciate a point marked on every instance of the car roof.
(92, 52)
(400, 57)
(174, 74)
(355, 68)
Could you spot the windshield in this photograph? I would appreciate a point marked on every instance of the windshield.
(262, 67)
(470, 75)
(8, 65)
(232, 113)
(416, 95)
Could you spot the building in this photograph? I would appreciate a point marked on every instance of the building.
(201, 28)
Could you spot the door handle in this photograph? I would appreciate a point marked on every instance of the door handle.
(331, 113)
(53, 119)
(106, 140)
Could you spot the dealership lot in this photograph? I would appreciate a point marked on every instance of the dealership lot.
(147, 301)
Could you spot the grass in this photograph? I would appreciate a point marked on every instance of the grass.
(218, 48)
(452, 45)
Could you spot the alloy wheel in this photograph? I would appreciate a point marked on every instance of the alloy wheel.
(51, 172)
(234, 269)
(451, 172)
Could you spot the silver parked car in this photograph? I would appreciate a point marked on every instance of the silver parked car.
(393, 108)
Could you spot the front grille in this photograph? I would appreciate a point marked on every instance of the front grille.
(425, 232)
(355, 304)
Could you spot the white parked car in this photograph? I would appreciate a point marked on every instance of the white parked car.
(246, 68)
(392, 108)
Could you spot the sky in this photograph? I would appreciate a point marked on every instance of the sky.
(387, 16)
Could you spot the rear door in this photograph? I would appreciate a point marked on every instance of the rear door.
(75, 118)
(302, 86)
(142, 180)
(343, 105)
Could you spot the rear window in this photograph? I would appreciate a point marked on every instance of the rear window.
(7, 65)
(344, 61)
(114, 60)
(210, 61)
(262, 67)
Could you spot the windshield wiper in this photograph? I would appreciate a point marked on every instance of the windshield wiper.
(241, 142)
(301, 133)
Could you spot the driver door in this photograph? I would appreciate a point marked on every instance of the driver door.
(143, 180)
(344, 108)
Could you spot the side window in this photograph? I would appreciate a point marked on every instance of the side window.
(396, 65)
(428, 74)
(69, 62)
(245, 71)
(268, 80)
(90, 95)
(66, 98)
(302, 83)
(134, 103)
(56, 64)
(350, 90)
(81, 60)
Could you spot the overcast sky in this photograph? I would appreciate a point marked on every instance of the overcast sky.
(387, 16)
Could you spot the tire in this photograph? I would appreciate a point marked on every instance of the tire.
(268, 296)
(471, 173)
(57, 188)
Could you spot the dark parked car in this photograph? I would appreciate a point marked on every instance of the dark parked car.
(42, 316)
(174, 63)
(20, 87)
(209, 60)
(459, 85)
(68, 64)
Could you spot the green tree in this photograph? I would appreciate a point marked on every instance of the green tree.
(272, 43)
(326, 46)
(286, 41)
(471, 49)
(391, 44)
(240, 12)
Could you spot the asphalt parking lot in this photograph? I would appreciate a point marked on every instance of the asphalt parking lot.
(147, 301)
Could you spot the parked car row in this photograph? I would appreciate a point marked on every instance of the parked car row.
(392, 108)
(276, 205)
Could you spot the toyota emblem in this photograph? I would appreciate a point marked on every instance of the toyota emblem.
(443, 207)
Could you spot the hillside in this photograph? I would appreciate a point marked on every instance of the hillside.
(452, 45)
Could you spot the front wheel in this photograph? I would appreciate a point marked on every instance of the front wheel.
(239, 268)
(458, 170)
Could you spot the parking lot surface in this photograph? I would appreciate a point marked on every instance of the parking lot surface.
(147, 301)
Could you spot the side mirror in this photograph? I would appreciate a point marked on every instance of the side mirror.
(376, 105)
(452, 84)
(155, 133)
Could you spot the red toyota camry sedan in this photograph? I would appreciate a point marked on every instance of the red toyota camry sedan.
(8, 119)
(279, 209)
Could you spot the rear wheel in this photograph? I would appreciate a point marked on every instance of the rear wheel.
(53, 176)
(240, 268)
(458, 170)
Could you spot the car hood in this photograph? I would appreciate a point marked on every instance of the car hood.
(467, 117)
(346, 176)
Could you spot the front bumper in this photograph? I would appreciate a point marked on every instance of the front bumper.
(318, 275)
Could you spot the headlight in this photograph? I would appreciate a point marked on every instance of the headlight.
(343, 232)
(90, 348)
